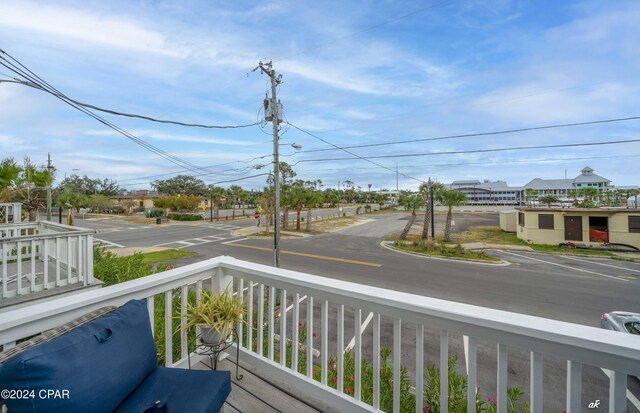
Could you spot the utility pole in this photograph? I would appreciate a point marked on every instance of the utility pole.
(397, 189)
(339, 214)
(276, 79)
(50, 169)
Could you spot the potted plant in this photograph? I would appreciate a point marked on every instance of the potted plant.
(215, 316)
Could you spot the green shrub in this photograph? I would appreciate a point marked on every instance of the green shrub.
(358, 209)
(155, 212)
(111, 269)
(185, 217)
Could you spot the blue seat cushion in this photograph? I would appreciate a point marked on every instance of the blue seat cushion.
(98, 363)
(180, 390)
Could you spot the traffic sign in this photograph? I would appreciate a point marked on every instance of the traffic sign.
(256, 215)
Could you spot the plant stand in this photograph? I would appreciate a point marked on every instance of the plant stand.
(214, 350)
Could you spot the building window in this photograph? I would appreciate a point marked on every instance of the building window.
(521, 219)
(545, 221)
(634, 223)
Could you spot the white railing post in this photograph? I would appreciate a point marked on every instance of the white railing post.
(152, 312)
(184, 350)
(340, 350)
(271, 322)
(19, 271)
(397, 352)
(471, 374)
(324, 346)
(295, 332)
(283, 327)
(90, 259)
(32, 278)
(574, 387)
(168, 328)
(444, 371)
(536, 382)
(260, 338)
(250, 327)
(501, 392)
(357, 327)
(376, 361)
(419, 368)
(309, 336)
(4, 255)
(617, 392)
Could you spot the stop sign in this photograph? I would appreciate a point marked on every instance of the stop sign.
(256, 215)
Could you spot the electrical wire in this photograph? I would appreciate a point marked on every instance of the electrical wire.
(367, 159)
(515, 148)
(477, 134)
(46, 87)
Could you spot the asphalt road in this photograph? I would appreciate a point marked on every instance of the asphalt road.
(570, 289)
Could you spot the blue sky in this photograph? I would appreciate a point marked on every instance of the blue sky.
(354, 73)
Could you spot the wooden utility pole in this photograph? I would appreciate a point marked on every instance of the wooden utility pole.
(276, 79)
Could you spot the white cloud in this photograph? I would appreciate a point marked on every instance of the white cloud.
(86, 27)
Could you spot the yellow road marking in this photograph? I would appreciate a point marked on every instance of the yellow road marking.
(302, 254)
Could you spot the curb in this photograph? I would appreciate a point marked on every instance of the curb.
(386, 244)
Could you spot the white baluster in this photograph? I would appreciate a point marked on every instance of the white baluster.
(283, 327)
(152, 313)
(471, 358)
(33, 265)
(184, 350)
(501, 392)
(260, 319)
(419, 368)
(19, 272)
(168, 329)
(357, 325)
(536, 382)
(250, 317)
(324, 347)
(574, 387)
(295, 331)
(617, 392)
(240, 295)
(376, 361)
(271, 325)
(444, 371)
(340, 349)
(309, 336)
(397, 352)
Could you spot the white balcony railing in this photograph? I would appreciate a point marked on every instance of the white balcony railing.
(36, 256)
(261, 286)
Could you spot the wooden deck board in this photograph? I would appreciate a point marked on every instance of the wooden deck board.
(254, 394)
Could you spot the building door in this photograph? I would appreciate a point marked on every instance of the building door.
(598, 229)
(572, 228)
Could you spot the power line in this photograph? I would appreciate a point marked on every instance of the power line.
(35, 79)
(516, 148)
(351, 153)
(240, 179)
(208, 166)
(470, 135)
(582, 158)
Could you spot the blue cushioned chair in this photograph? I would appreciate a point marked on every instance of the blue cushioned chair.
(109, 365)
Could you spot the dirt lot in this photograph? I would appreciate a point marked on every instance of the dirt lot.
(462, 221)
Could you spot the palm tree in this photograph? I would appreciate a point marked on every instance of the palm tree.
(530, 194)
(297, 199)
(588, 194)
(424, 190)
(313, 200)
(549, 199)
(410, 202)
(450, 198)
(235, 191)
(217, 194)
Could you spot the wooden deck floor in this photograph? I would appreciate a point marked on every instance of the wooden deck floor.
(254, 394)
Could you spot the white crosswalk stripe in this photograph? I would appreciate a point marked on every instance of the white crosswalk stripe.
(106, 244)
(185, 243)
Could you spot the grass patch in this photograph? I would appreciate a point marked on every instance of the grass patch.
(164, 256)
(491, 235)
(435, 248)
(494, 235)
